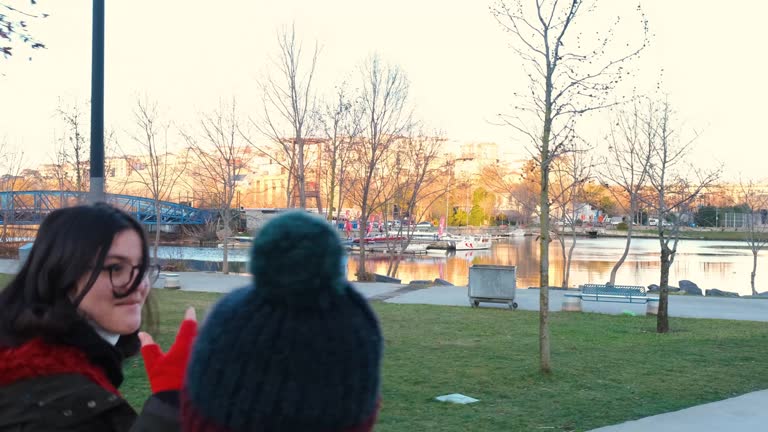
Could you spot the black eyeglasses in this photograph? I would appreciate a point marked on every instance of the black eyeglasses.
(122, 275)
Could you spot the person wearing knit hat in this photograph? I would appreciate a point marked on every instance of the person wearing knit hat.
(299, 350)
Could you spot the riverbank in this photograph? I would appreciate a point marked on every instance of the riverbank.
(680, 306)
(728, 234)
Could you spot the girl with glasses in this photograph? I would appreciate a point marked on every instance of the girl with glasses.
(71, 316)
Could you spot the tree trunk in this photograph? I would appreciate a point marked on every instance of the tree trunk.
(397, 255)
(544, 353)
(157, 231)
(301, 176)
(662, 319)
(624, 255)
(564, 276)
(332, 193)
(362, 227)
(225, 260)
(341, 202)
(570, 258)
(397, 266)
(754, 271)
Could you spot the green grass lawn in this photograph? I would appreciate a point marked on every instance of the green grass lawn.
(607, 369)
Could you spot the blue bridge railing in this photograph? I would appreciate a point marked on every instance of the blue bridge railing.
(31, 207)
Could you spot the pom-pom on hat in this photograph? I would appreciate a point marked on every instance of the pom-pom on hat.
(299, 350)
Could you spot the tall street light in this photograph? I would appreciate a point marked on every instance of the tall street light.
(97, 104)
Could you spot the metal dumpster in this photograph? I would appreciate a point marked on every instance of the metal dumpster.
(492, 284)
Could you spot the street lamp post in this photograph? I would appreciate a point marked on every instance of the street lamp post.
(97, 104)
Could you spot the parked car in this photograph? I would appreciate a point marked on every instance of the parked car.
(424, 225)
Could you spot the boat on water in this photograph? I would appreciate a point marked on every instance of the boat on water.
(416, 248)
(425, 235)
(518, 233)
(470, 242)
(383, 247)
(378, 238)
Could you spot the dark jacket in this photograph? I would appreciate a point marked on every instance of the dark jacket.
(71, 385)
(72, 402)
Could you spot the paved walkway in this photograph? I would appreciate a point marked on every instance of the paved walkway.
(9, 266)
(744, 413)
(527, 299)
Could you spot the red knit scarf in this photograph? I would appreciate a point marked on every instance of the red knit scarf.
(36, 358)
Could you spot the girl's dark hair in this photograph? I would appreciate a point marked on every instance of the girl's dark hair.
(71, 242)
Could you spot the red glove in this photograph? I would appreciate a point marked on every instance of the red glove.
(166, 371)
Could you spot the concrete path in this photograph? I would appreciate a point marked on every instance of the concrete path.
(9, 266)
(528, 299)
(221, 283)
(742, 413)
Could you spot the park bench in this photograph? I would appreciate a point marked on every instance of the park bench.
(610, 293)
(614, 293)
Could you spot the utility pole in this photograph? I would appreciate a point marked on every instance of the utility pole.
(97, 104)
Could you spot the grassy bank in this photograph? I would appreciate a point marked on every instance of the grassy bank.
(608, 369)
(685, 234)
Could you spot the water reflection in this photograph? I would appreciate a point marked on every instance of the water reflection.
(723, 265)
(720, 265)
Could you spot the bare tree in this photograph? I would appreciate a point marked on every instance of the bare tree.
(341, 122)
(523, 188)
(566, 80)
(675, 185)
(288, 104)
(384, 96)
(12, 165)
(571, 172)
(161, 169)
(75, 150)
(58, 172)
(113, 183)
(418, 180)
(219, 162)
(756, 203)
(627, 164)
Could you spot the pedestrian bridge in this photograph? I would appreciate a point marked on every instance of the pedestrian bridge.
(30, 207)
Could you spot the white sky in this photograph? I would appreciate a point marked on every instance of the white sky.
(188, 54)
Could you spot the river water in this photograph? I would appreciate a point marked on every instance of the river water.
(710, 264)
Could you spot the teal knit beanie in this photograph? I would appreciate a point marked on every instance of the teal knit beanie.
(299, 350)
